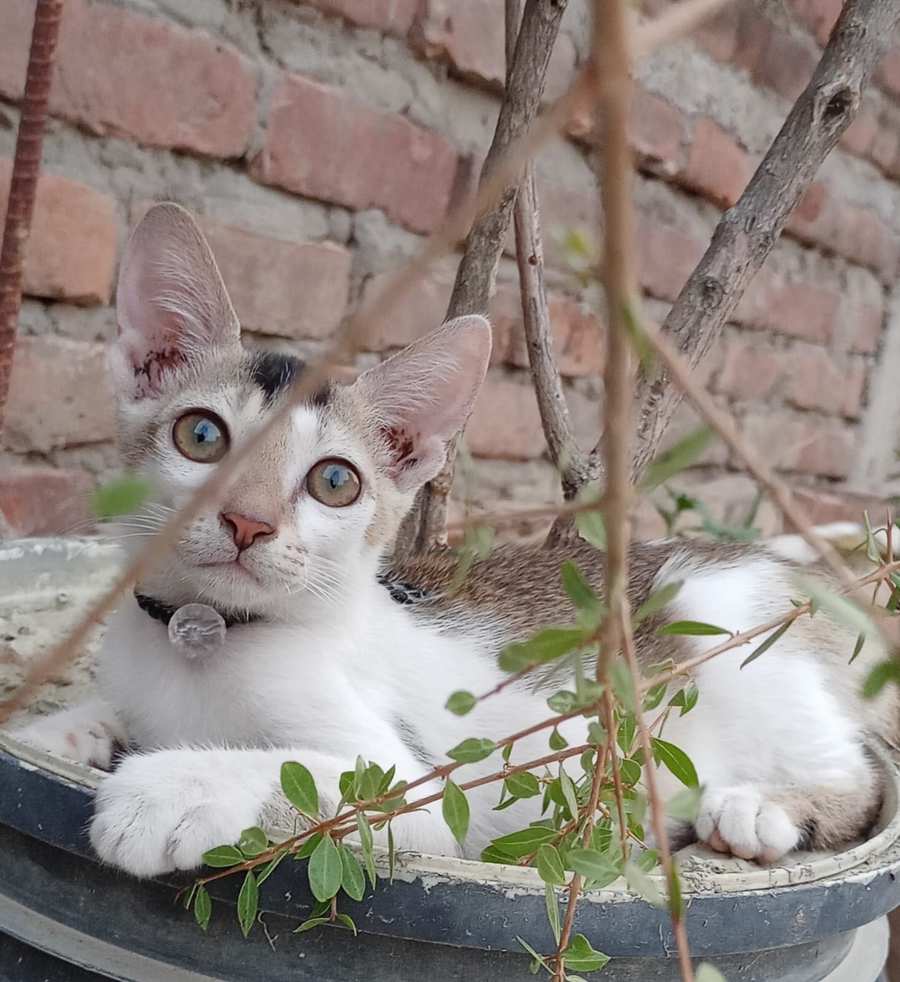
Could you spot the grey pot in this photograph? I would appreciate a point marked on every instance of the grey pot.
(65, 917)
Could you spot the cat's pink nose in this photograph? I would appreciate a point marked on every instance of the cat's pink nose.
(245, 530)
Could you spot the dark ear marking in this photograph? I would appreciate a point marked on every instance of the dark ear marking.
(400, 443)
(149, 374)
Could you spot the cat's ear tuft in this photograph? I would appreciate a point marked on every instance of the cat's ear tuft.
(422, 396)
(171, 303)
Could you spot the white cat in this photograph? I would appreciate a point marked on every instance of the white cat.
(322, 661)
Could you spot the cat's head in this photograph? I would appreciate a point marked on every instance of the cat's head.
(322, 497)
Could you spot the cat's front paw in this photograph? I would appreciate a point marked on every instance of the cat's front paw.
(741, 821)
(161, 811)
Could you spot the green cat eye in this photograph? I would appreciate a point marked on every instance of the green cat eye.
(201, 436)
(334, 482)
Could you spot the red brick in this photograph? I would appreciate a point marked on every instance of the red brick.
(888, 72)
(470, 34)
(750, 369)
(667, 258)
(718, 36)
(121, 72)
(822, 507)
(578, 341)
(886, 144)
(563, 210)
(819, 16)
(506, 423)
(754, 35)
(391, 16)
(855, 379)
(71, 253)
(45, 501)
(59, 396)
(815, 381)
(285, 288)
(826, 449)
(867, 322)
(417, 311)
(313, 147)
(784, 65)
(657, 130)
(860, 134)
(717, 166)
(801, 310)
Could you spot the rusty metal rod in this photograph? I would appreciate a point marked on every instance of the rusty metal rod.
(23, 183)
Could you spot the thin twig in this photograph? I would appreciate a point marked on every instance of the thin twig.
(23, 182)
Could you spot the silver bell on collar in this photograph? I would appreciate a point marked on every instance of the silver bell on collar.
(197, 630)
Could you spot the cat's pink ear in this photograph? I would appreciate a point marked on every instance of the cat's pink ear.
(171, 303)
(422, 396)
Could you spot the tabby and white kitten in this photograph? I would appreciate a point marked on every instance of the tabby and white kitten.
(322, 662)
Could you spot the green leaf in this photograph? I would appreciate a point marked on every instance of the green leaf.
(691, 628)
(299, 788)
(642, 885)
(524, 842)
(366, 844)
(223, 856)
(592, 864)
(523, 785)
(552, 911)
(270, 868)
(550, 866)
(121, 496)
(626, 732)
(881, 674)
(325, 870)
(539, 960)
(563, 701)
(545, 646)
(308, 846)
(654, 696)
(677, 458)
(471, 750)
(582, 957)
(685, 805)
(455, 809)
(588, 605)
(353, 880)
(857, 648)
(568, 790)
(648, 860)
(657, 600)
(345, 920)
(202, 907)
(392, 853)
(623, 684)
(676, 760)
(557, 741)
(685, 698)
(764, 647)
(461, 702)
(590, 523)
(840, 608)
(253, 841)
(248, 903)
(676, 903)
(630, 771)
(708, 973)
(310, 923)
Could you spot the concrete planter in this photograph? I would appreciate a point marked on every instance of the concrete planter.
(818, 917)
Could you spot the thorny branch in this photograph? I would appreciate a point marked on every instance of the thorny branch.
(24, 179)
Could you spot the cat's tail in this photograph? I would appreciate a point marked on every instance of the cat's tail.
(844, 536)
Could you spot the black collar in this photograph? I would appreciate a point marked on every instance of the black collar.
(163, 612)
(401, 592)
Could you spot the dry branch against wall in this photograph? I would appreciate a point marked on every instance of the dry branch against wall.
(747, 232)
(477, 270)
(23, 184)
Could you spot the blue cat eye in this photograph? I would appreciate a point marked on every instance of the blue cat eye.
(334, 482)
(201, 436)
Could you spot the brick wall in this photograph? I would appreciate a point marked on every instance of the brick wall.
(320, 141)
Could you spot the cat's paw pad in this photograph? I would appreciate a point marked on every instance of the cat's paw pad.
(161, 812)
(743, 822)
(80, 740)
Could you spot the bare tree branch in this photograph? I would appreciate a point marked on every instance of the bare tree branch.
(526, 74)
(747, 232)
(23, 183)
